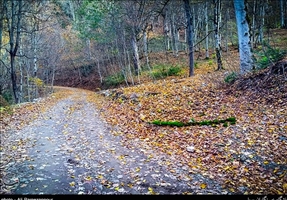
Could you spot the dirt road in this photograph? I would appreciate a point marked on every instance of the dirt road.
(70, 150)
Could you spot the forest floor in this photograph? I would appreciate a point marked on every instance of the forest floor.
(78, 141)
(81, 142)
(68, 149)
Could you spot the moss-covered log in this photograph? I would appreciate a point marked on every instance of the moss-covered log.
(230, 120)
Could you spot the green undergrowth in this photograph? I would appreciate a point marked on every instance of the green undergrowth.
(192, 122)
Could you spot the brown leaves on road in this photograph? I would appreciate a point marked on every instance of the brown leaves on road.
(249, 157)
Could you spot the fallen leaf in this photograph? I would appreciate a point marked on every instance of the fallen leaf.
(72, 184)
(202, 185)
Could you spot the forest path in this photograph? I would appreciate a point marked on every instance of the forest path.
(70, 150)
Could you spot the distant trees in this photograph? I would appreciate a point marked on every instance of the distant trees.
(113, 39)
(23, 25)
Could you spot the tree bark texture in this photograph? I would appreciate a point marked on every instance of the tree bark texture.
(189, 36)
(246, 62)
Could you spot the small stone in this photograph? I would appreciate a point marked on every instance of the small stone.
(134, 96)
(190, 149)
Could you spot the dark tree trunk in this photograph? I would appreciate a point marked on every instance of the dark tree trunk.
(189, 36)
(14, 24)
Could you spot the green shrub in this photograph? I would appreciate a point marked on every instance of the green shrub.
(8, 96)
(230, 78)
(210, 62)
(114, 80)
(162, 71)
(174, 71)
(267, 56)
(3, 102)
(195, 65)
(158, 74)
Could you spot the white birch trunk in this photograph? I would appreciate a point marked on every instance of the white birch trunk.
(99, 70)
(217, 33)
(145, 47)
(126, 54)
(136, 55)
(246, 62)
(166, 32)
(173, 36)
(88, 41)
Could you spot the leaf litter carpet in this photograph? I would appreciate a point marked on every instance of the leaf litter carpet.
(68, 149)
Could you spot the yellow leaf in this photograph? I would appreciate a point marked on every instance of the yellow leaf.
(161, 135)
(117, 188)
(72, 184)
(88, 178)
(202, 185)
(72, 176)
(142, 117)
(283, 174)
(285, 187)
(14, 147)
(250, 142)
(266, 162)
(138, 169)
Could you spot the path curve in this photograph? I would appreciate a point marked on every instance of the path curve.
(71, 150)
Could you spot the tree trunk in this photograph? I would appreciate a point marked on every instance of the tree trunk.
(88, 42)
(166, 31)
(189, 36)
(253, 24)
(217, 5)
(246, 62)
(53, 78)
(145, 46)
(261, 25)
(282, 14)
(206, 31)
(135, 54)
(127, 57)
(14, 24)
(1, 21)
(195, 30)
(174, 36)
(99, 70)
